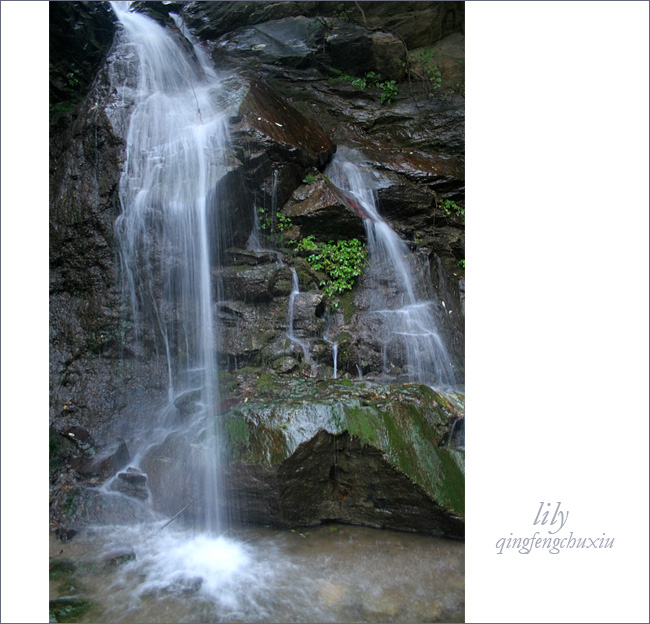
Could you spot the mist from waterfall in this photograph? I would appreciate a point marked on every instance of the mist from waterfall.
(169, 194)
(407, 320)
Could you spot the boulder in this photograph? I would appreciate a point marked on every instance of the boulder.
(329, 451)
(321, 211)
(289, 41)
(132, 483)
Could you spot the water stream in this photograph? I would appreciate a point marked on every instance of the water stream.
(169, 192)
(408, 322)
(332, 573)
(304, 347)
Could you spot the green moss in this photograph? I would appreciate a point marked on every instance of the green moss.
(237, 430)
(72, 503)
(364, 423)
(68, 609)
(268, 384)
(346, 305)
(61, 569)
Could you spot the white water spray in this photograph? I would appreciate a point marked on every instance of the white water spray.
(408, 322)
(168, 229)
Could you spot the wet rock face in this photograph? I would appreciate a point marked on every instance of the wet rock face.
(339, 478)
(366, 454)
(81, 34)
(322, 212)
(287, 119)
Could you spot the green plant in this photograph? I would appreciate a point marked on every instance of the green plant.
(461, 264)
(266, 221)
(370, 79)
(73, 76)
(307, 244)
(342, 13)
(449, 206)
(309, 178)
(390, 91)
(342, 262)
(270, 226)
(284, 223)
(428, 58)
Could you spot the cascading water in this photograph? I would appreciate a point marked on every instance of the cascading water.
(408, 322)
(295, 290)
(169, 190)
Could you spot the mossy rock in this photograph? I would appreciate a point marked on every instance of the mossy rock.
(68, 609)
(61, 569)
(408, 425)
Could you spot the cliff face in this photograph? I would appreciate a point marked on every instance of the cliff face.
(306, 79)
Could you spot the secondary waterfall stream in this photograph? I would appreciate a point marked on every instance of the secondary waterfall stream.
(409, 324)
(169, 192)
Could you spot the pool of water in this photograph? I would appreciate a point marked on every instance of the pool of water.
(332, 573)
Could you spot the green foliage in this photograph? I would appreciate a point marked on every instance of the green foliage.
(429, 60)
(265, 219)
(450, 206)
(307, 244)
(73, 77)
(461, 264)
(371, 79)
(284, 223)
(342, 13)
(390, 91)
(309, 178)
(271, 226)
(342, 262)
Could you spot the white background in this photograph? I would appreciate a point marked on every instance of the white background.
(557, 307)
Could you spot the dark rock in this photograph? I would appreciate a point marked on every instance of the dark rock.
(132, 483)
(440, 172)
(81, 34)
(320, 210)
(81, 437)
(188, 402)
(210, 20)
(274, 120)
(289, 41)
(107, 463)
(253, 283)
(417, 23)
(65, 534)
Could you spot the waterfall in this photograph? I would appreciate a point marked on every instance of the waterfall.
(168, 231)
(407, 321)
(295, 290)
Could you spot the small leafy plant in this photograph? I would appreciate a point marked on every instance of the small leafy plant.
(309, 178)
(267, 225)
(307, 244)
(342, 13)
(449, 206)
(461, 264)
(390, 91)
(342, 262)
(428, 58)
(370, 79)
(73, 76)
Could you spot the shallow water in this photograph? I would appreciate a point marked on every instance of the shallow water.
(333, 573)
